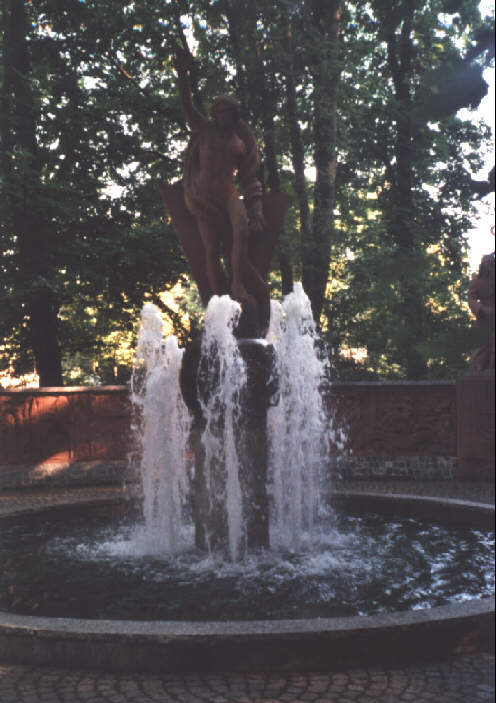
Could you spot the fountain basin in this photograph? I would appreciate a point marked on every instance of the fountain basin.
(265, 644)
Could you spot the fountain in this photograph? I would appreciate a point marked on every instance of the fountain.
(176, 587)
(256, 418)
(235, 440)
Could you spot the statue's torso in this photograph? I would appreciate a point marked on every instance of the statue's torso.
(219, 157)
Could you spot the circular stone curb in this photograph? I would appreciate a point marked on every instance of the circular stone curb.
(270, 645)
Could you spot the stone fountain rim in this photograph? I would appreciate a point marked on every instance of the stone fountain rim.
(50, 640)
(49, 627)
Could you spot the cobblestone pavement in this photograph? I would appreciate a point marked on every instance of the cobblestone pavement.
(467, 678)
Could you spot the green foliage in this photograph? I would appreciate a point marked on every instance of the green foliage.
(104, 127)
(406, 281)
(105, 114)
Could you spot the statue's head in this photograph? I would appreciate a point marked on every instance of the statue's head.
(226, 111)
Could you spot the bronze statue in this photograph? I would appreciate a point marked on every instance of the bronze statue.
(213, 224)
(213, 221)
(481, 302)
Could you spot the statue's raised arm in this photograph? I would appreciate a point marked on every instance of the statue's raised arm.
(182, 64)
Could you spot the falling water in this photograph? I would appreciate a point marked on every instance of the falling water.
(222, 379)
(298, 428)
(165, 431)
(299, 432)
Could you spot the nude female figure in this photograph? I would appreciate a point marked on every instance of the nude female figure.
(219, 150)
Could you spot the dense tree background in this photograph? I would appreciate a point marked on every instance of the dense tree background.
(356, 107)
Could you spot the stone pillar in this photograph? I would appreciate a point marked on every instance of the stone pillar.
(475, 435)
(209, 508)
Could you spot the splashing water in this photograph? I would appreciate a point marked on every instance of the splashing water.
(299, 432)
(222, 379)
(150, 334)
(297, 426)
(166, 425)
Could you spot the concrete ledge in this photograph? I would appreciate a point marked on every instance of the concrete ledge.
(77, 473)
(275, 645)
(243, 646)
(447, 511)
(65, 390)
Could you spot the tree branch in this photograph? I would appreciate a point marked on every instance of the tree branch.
(483, 188)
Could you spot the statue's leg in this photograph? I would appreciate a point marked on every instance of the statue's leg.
(211, 244)
(239, 251)
(246, 283)
(257, 287)
(186, 227)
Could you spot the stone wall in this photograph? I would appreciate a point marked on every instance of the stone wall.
(82, 435)
(397, 430)
(63, 435)
(476, 421)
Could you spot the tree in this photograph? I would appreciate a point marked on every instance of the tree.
(76, 118)
(365, 93)
(22, 165)
(324, 57)
(407, 275)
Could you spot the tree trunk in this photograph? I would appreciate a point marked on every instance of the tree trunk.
(317, 250)
(400, 58)
(22, 191)
(5, 95)
(297, 149)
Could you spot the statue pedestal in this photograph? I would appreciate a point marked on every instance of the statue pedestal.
(475, 438)
(209, 484)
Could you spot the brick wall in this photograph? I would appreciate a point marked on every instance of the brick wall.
(63, 435)
(397, 430)
(82, 435)
(402, 418)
